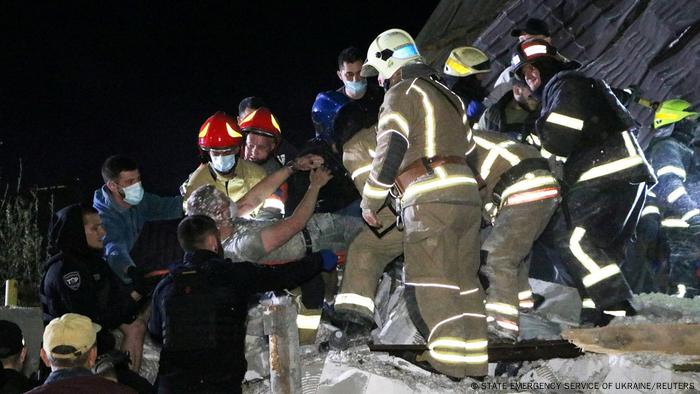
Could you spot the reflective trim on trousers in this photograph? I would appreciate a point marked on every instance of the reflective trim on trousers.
(454, 318)
(597, 273)
(355, 299)
(308, 322)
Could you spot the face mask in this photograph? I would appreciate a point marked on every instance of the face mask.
(356, 88)
(133, 194)
(223, 164)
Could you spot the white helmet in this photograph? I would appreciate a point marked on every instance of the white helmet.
(388, 52)
(465, 61)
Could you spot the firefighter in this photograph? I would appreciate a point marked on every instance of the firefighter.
(676, 165)
(422, 138)
(263, 135)
(605, 175)
(520, 194)
(464, 70)
(221, 139)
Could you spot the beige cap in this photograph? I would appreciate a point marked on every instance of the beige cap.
(70, 335)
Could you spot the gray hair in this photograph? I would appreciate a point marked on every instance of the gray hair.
(212, 202)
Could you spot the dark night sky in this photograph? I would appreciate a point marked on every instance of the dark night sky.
(82, 81)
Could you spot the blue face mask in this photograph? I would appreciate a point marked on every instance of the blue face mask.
(356, 88)
(133, 194)
(223, 164)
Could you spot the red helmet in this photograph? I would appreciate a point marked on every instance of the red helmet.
(220, 132)
(263, 122)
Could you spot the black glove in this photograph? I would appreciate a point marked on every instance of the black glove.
(139, 282)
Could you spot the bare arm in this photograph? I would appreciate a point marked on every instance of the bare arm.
(279, 233)
(270, 183)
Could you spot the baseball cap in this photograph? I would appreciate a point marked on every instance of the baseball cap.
(11, 339)
(70, 335)
(532, 26)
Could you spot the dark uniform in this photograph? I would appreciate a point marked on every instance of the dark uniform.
(507, 116)
(199, 315)
(77, 279)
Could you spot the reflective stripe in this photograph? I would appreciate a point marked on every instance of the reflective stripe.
(502, 308)
(526, 304)
(535, 50)
(524, 295)
(609, 168)
(372, 153)
(453, 318)
(429, 121)
(675, 223)
(495, 150)
(528, 184)
(450, 358)
(466, 292)
(629, 144)
(566, 121)
(381, 135)
(508, 325)
(616, 313)
(355, 299)
(650, 209)
(651, 193)
(374, 192)
(588, 303)
(361, 171)
(690, 214)
(457, 66)
(274, 203)
(308, 322)
(451, 287)
(436, 184)
(454, 343)
(398, 119)
(676, 194)
(537, 195)
(380, 184)
(681, 290)
(671, 170)
(455, 350)
(601, 274)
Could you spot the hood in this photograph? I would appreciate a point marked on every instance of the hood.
(102, 201)
(67, 233)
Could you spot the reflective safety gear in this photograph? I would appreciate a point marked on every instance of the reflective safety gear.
(263, 122)
(388, 52)
(529, 51)
(465, 61)
(672, 111)
(223, 163)
(220, 132)
(356, 88)
(133, 194)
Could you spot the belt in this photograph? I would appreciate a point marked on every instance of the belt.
(424, 166)
(307, 241)
(518, 171)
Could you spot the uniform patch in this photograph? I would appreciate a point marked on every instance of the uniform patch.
(72, 280)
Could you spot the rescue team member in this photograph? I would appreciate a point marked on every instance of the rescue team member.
(221, 138)
(513, 114)
(605, 174)
(464, 71)
(520, 195)
(78, 280)
(674, 158)
(200, 310)
(372, 249)
(423, 136)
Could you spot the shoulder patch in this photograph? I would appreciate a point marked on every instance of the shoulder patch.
(72, 280)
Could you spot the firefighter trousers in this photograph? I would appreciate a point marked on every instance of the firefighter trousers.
(443, 292)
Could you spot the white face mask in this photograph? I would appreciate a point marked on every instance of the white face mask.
(133, 194)
(356, 88)
(223, 164)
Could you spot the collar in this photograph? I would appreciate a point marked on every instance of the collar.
(67, 373)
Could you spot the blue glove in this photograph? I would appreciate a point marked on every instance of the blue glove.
(330, 260)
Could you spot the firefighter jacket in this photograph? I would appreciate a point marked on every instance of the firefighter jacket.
(582, 120)
(512, 173)
(246, 175)
(507, 116)
(421, 119)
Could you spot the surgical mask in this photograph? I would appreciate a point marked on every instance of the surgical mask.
(133, 194)
(223, 164)
(356, 88)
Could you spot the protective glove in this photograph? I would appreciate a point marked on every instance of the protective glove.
(139, 282)
(330, 260)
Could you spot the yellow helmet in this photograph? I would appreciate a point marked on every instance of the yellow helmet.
(465, 61)
(672, 111)
(388, 52)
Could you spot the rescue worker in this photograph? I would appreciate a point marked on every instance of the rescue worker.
(677, 166)
(423, 136)
(263, 135)
(200, 310)
(221, 138)
(513, 114)
(605, 175)
(520, 194)
(464, 71)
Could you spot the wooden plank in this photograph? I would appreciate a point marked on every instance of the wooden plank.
(675, 338)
